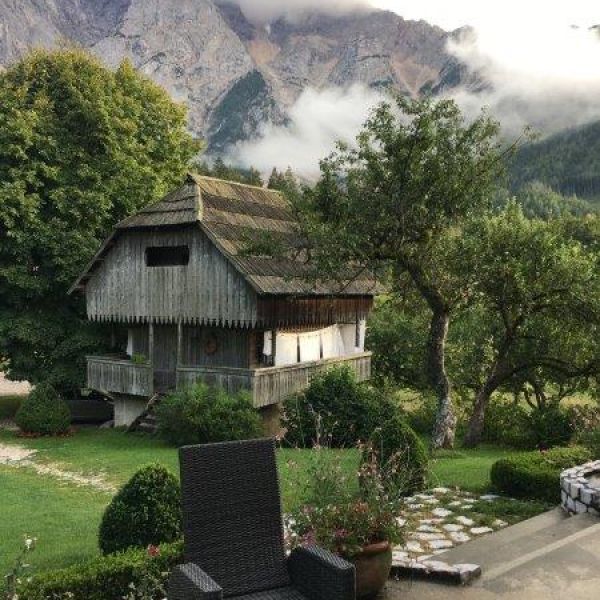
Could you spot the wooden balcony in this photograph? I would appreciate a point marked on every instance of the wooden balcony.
(268, 385)
(113, 375)
(271, 385)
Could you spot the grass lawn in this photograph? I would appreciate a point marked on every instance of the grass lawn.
(65, 518)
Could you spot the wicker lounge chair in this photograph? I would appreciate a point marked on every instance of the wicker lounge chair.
(234, 533)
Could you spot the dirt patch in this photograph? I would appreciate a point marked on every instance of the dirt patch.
(13, 455)
(13, 388)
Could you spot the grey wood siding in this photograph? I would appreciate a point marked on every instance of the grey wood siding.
(231, 347)
(112, 375)
(209, 290)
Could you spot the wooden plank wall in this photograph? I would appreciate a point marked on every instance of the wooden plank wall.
(231, 347)
(119, 376)
(208, 290)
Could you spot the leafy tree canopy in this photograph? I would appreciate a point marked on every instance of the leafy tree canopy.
(81, 147)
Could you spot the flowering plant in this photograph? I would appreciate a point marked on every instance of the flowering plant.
(14, 577)
(345, 515)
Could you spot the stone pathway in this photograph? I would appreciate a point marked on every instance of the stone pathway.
(435, 522)
(13, 455)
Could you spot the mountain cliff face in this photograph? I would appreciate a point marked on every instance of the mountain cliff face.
(232, 74)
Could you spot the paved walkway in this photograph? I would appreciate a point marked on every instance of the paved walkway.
(546, 558)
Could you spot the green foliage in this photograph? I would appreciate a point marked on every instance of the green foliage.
(591, 441)
(222, 171)
(44, 412)
(536, 474)
(550, 426)
(147, 510)
(106, 578)
(401, 454)
(202, 414)
(568, 161)
(81, 147)
(334, 410)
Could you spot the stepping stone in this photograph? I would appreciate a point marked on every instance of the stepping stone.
(401, 522)
(465, 521)
(453, 527)
(409, 499)
(455, 503)
(440, 544)
(427, 537)
(428, 529)
(424, 497)
(398, 555)
(489, 497)
(436, 552)
(499, 523)
(431, 521)
(460, 537)
(432, 501)
(415, 506)
(441, 512)
(440, 490)
(481, 530)
(424, 557)
(413, 546)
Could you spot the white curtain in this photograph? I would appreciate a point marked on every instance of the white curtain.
(348, 333)
(310, 346)
(286, 349)
(333, 343)
(268, 343)
(129, 342)
(362, 332)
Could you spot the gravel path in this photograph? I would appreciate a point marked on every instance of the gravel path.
(17, 456)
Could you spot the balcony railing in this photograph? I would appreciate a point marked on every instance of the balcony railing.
(267, 386)
(113, 375)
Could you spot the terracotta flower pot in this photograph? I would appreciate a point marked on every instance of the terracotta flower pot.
(373, 567)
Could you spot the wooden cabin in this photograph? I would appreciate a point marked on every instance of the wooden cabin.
(187, 301)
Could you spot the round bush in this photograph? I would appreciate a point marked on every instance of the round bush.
(147, 510)
(401, 454)
(44, 412)
(550, 427)
(202, 414)
(536, 474)
(334, 409)
(591, 441)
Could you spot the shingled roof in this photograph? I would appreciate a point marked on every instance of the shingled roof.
(235, 217)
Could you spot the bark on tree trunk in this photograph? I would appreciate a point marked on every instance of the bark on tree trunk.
(482, 399)
(445, 425)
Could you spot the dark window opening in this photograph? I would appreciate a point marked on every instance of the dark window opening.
(167, 256)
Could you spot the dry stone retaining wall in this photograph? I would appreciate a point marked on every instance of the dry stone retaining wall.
(579, 493)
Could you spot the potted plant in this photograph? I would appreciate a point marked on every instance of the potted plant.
(354, 519)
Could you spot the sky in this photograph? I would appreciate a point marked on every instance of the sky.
(539, 58)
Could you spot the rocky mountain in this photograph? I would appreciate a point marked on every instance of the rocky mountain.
(233, 74)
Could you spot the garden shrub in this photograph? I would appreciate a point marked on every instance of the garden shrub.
(105, 578)
(513, 425)
(401, 454)
(44, 412)
(536, 475)
(591, 441)
(147, 510)
(550, 426)
(202, 414)
(335, 410)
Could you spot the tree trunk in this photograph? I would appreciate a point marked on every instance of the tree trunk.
(482, 399)
(445, 425)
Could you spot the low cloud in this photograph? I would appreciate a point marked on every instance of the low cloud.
(316, 121)
(261, 12)
(546, 77)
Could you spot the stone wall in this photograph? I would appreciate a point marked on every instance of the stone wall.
(579, 494)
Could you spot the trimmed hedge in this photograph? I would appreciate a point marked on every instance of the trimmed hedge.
(536, 474)
(104, 578)
(147, 510)
(44, 412)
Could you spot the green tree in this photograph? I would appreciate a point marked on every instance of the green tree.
(81, 147)
(222, 171)
(540, 290)
(418, 170)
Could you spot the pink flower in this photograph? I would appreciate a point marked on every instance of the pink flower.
(309, 538)
(340, 534)
(153, 550)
